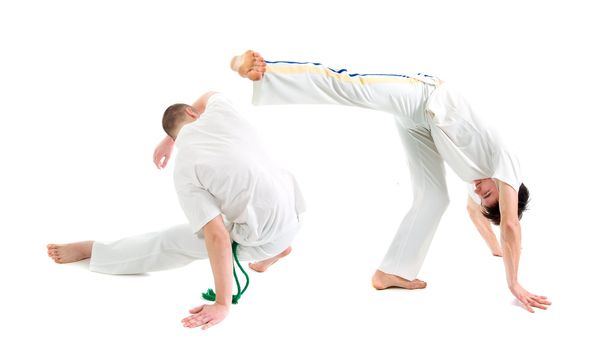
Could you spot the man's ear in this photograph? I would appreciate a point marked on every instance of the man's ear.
(191, 113)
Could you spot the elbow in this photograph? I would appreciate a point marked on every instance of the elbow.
(220, 236)
(509, 230)
(437, 198)
(214, 231)
(510, 225)
(217, 240)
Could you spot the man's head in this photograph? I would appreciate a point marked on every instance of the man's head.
(488, 192)
(176, 116)
(489, 198)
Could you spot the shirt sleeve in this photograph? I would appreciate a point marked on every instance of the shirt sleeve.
(507, 169)
(199, 206)
(218, 103)
(472, 194)
(219, 106)
(214, 99)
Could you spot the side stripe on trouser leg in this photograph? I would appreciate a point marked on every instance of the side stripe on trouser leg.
(312, 83)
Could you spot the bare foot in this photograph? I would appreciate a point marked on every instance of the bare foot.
(249, 65)
(498, 253)
(382, 280)
(261, 266)
(67, 253)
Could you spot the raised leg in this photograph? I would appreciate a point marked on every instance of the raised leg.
(289, 82)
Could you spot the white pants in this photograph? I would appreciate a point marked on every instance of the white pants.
(406, 98)
(174, 247)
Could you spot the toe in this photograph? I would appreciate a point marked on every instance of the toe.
(254, 75)
(420, 284)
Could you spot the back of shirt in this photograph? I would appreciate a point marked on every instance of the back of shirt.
(222, 164)
(471, 148)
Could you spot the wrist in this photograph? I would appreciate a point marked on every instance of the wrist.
(224, 303)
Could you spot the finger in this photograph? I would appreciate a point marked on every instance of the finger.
(541, 301)
(190, 318)
(199, 321)
(208, 325)
(200, 317)
(197, 309)
(160, 161)
(191, 322)
(538, 305)
(164, 164)
(526, 304)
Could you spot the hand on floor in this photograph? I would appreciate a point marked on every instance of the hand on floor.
(529, 300)
(206, 315)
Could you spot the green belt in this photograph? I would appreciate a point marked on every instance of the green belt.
(211, 295)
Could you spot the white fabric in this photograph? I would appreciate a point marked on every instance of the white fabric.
(171, 248)
(427, 141)
(471, 148)
(221, 167)
(471, 188)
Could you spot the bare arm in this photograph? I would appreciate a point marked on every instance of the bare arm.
(201, 102)
(510, 243)
(483, 226)
(163, 151)
(218, 245)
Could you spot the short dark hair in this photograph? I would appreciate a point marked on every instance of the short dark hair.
(173, 116)
(494, 214)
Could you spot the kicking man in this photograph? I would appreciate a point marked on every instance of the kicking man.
(229, 189)
(436, 125)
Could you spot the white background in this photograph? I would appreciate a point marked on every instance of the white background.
(82, 89)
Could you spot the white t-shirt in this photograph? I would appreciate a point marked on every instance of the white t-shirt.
(221, 168)
(473, 150)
